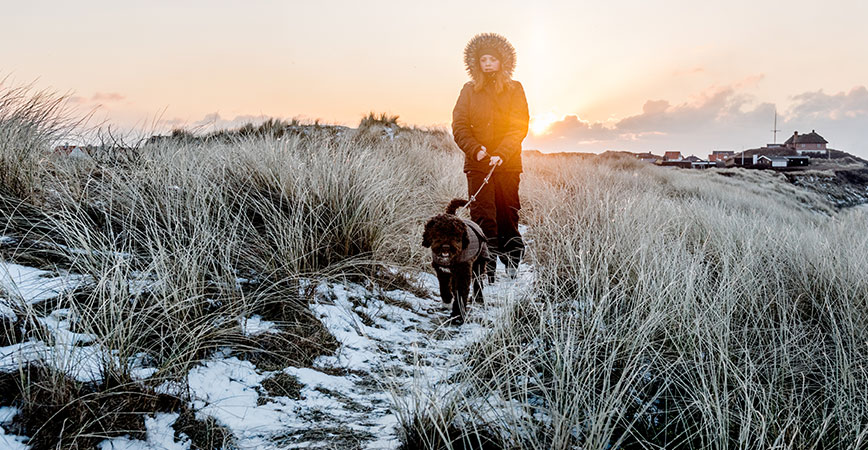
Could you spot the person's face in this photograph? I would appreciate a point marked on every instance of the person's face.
(489, 63)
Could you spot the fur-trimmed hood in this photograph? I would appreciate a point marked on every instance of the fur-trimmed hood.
(486, 41)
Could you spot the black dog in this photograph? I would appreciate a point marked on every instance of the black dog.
(459, 254)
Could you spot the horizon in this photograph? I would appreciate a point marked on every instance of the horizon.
(627, 77)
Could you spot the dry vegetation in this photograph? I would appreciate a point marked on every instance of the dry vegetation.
(671, 309)
(180, 237)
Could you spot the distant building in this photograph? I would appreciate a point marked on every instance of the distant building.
(692, 158)
(702, 164)
(672, 156)
(796, 161)
(75, 151)
(681, 164)
(648, 157)
(720, 155)
(807, 144)
(780, 161)
(770, 161)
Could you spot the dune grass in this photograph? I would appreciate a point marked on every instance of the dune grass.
(673, 309)
(180, 238)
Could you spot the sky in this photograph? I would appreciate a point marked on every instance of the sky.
(616, 75)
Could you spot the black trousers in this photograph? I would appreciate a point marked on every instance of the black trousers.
(496, 211)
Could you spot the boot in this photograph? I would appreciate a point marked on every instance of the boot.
(512, 259)
(490, 268)
(493, 254)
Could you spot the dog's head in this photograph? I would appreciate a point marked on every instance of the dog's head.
(447, 237)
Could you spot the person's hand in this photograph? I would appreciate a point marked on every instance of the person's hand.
(481, 154)
(495, 161)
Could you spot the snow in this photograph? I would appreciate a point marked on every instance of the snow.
(67, 352)
(82, 362)
(227, 389)
(58, 323)
(159, 436)
(10, 441)
(30, 284)
(7, 413)
(139, 366)
(7, 240)
(394, 347)
(6, 312)
(255, 325)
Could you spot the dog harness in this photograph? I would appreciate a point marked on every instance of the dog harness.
(477, 248)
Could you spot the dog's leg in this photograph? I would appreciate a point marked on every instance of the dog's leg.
(445, 279)
(478, 274)
(461, 284)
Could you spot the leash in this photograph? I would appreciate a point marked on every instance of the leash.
(484, 182)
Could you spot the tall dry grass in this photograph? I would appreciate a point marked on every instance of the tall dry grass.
(30, 121)
(181, 237)
(671, 309)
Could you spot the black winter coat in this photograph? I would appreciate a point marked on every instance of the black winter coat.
(497, 121)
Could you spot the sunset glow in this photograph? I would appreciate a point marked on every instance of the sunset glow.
(541, 123)
(676, 74)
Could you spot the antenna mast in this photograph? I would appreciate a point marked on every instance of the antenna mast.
(775, 128)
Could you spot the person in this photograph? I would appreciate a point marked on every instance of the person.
(489, 123)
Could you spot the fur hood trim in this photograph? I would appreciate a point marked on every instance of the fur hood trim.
(485, 41)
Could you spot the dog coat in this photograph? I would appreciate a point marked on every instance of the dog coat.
(477, 248)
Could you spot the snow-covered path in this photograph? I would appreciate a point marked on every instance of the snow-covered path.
(392, 344)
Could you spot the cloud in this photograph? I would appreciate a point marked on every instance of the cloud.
(821, 106)
(107, 97)
(175, 122)
(691, 71)
(841, 118)
(214, 121)
(573, 129)
(99, 97)
(723, 117)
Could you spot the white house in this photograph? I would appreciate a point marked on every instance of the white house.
(807, 144)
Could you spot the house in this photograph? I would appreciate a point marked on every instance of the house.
(648, 157)
(703, 164)
(75, 151)
(807, 144)
(720, 155)
(692, 158)
(672, 156)
(681, 164)
(796, 161)
(770, 161)
(741, 159)
(780, 161)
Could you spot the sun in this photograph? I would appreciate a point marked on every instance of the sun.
(541, 123)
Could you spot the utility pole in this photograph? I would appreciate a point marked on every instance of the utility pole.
(775, 128)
